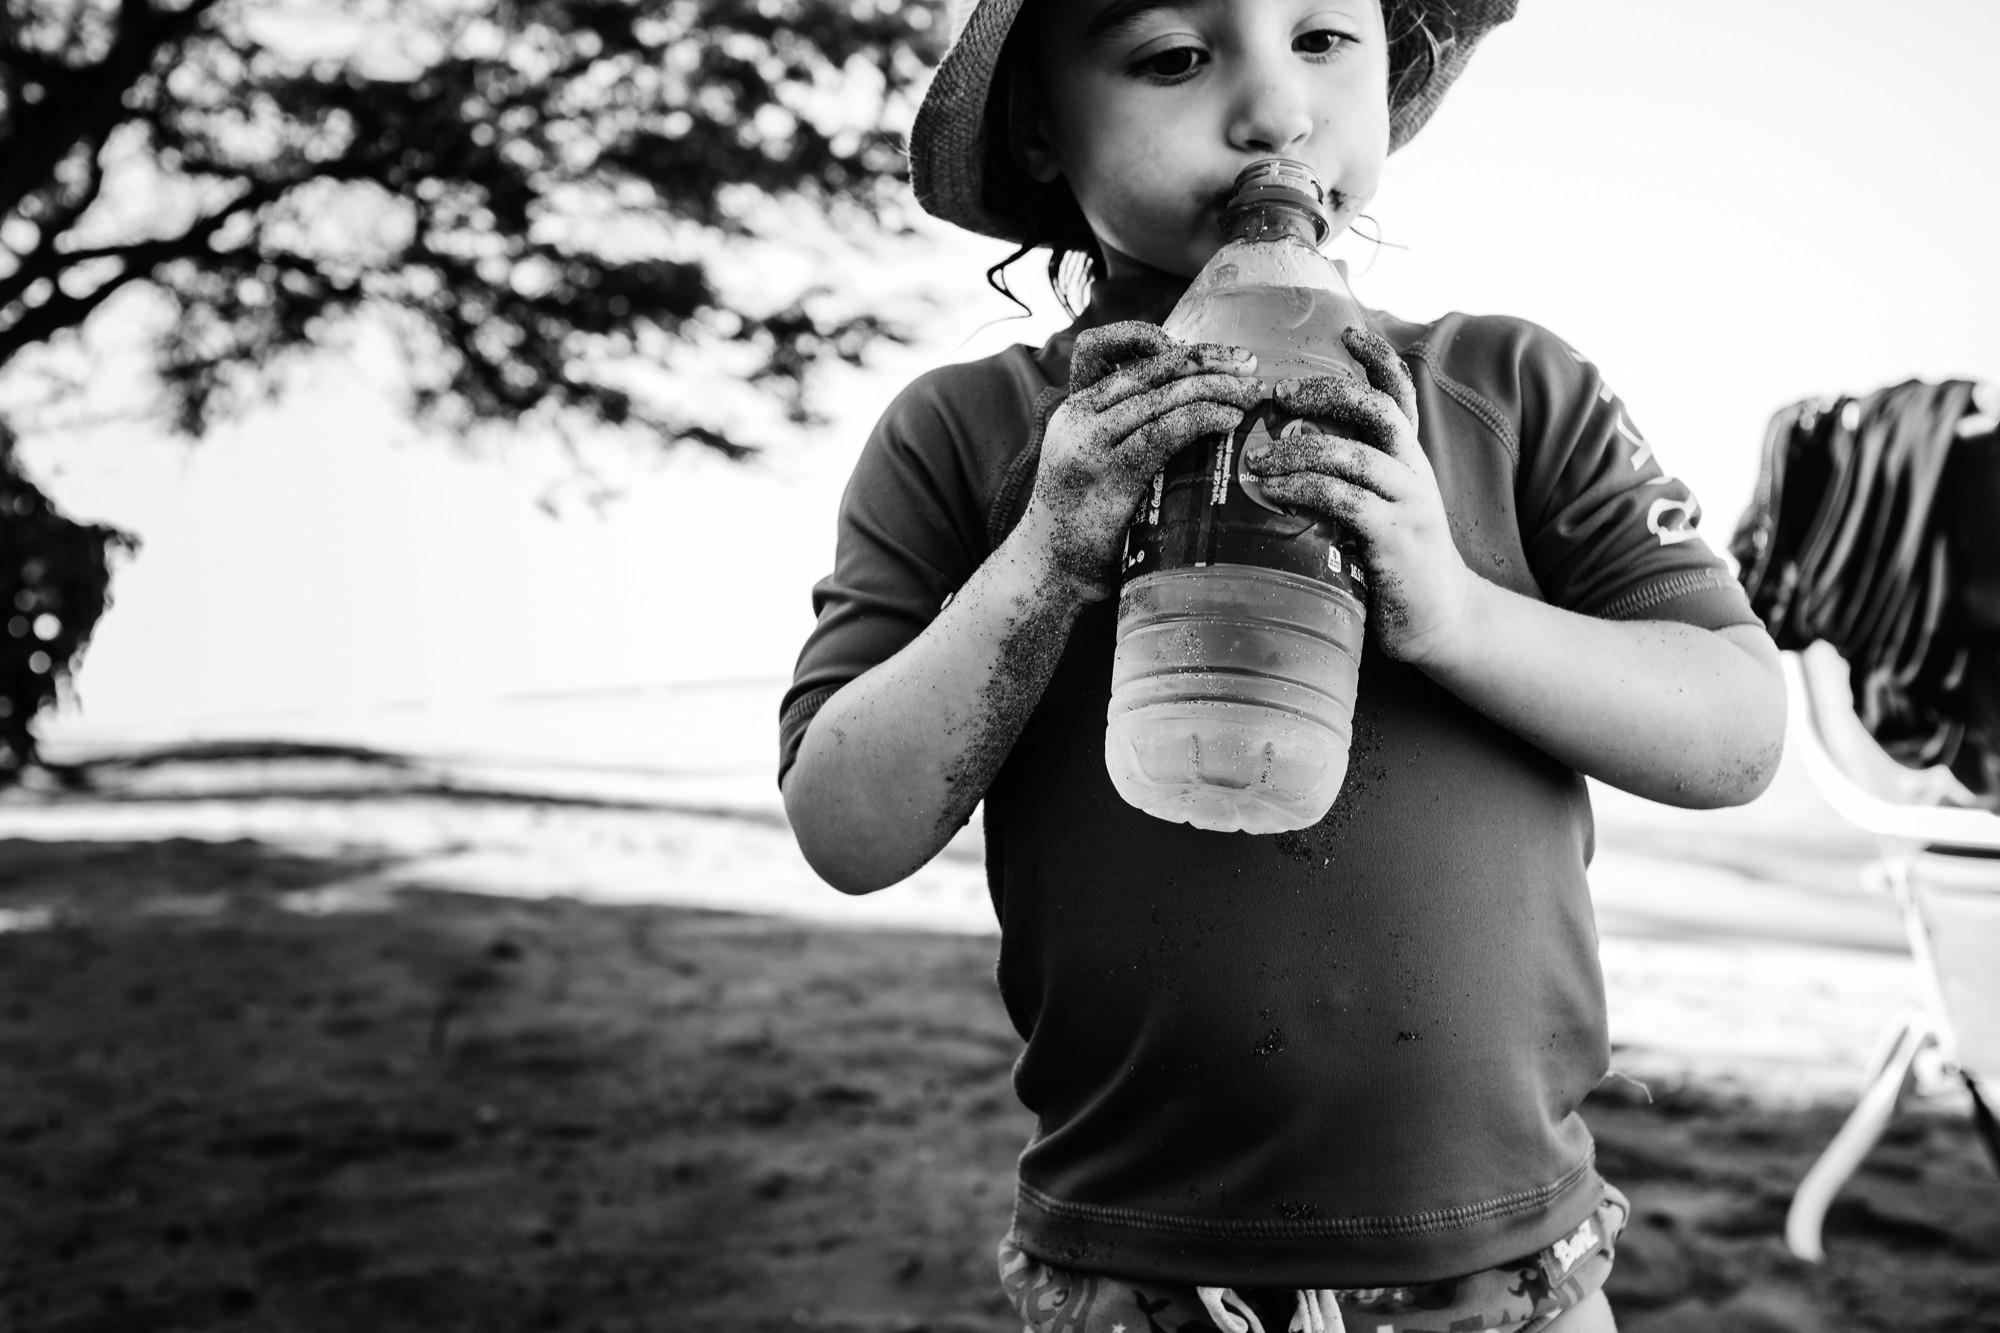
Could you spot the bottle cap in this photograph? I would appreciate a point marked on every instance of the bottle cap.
(1280, 182)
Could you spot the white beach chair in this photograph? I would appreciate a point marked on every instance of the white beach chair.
(1943, 864)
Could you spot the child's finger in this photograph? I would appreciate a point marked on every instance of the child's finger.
(1366, 412)
(1360, 508)
(1102, 350)
(1121, 419)
(1308, 450)
(1147, 449)
(1385, 368)
(1180, 361)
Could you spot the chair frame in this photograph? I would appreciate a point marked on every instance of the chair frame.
(1905, 828)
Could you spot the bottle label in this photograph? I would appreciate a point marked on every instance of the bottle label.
(1207, 508)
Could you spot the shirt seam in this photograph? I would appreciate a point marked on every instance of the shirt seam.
(1654, 594)
(1471, 400)
(1408, 1224)
(804, 708)
(1000, 518)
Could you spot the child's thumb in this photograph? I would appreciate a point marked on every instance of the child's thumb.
(1109, 347)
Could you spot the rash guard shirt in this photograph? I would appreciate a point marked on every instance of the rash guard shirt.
(1349, 1056)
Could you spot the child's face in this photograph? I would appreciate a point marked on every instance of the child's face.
(1150, 109)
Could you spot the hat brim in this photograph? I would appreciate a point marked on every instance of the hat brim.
(948, 139)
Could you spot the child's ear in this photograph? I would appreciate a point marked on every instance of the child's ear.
(1039, 159)
(1034, 147)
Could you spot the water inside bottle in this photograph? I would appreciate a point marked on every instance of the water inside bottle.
(1295, 331)
(1232, 697)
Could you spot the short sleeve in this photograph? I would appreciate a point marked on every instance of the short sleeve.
(1607, 530)
(913, 525)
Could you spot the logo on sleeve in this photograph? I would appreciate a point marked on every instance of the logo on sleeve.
(1669, 518)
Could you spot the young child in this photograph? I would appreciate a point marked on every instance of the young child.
(1280, 1081)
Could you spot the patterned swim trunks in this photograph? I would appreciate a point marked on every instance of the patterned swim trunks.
(1520, 1297)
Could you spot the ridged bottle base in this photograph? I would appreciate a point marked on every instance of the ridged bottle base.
(1233, 698)
(1226, 767)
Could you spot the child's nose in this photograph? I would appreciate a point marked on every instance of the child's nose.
(1272, 114)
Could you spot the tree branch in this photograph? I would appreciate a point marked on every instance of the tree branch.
(45, 260)
(86, 102)
(553, 190)
(63, 311)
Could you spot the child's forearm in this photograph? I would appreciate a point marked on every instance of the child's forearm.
(894, 763)
(1687, 716)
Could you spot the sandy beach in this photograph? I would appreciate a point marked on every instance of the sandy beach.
(456, 1038)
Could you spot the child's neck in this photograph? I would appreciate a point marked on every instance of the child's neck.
(1118, 264)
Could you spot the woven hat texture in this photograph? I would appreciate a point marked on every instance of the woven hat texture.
(948, 140)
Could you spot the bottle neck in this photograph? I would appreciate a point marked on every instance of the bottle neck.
(1274, 222)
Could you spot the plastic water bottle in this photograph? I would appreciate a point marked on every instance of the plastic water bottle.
(1239, 623)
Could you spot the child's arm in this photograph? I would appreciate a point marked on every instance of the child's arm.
(894, 763)
(1678, 714)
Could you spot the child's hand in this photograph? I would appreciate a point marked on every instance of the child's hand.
(1136, 398)
(1373, 477)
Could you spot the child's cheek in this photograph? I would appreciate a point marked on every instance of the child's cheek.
(1359, 178)
(1151, 206)
(1121, 201)
(1358, 142)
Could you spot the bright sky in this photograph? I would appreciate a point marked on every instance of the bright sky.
(1727, 204)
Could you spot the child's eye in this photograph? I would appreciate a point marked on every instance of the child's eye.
(1175, 62)
(1320, 42)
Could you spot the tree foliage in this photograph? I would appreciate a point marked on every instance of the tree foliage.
(538, 197)
(535, 193)
(54, 580)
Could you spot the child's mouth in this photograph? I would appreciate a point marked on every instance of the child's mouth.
(1218, 202)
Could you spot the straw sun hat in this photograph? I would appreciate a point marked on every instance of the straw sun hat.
(948, 149)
